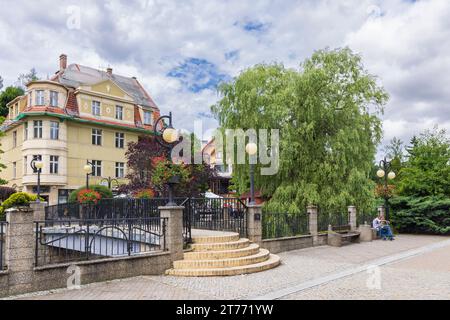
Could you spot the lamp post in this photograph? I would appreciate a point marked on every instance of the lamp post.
(168, 137)
(251, 149)
(88, 167)
(385, 166)
(37, 165)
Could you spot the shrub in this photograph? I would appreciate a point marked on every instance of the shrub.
(15, 200)
(145, 194)
(104, 192)
(429, 215)
(6, 192)
(87, 196)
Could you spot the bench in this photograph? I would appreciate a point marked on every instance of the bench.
(338, 235)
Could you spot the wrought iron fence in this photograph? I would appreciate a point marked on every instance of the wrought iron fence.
(225, 214)
(324, 219)
(365, 218)
(71, 240)
(3, 226)
(279, 225)
(106, 209)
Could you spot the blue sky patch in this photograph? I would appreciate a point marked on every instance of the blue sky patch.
(198, 74)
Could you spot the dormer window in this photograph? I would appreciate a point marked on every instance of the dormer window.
(53, 98)
(96, 108)
(40, 97)
(148, 118)
(119, 113)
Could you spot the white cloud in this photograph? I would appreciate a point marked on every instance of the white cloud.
(405, 43)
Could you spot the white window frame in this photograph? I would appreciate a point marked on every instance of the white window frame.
(119, 112)
(120, 140)
(14, 170)
(37, 129)
(148, 121)
(54, 98)
(96, 168)
(54, 164)
(40, 97)
(97, 137)
(54, 130)
(96, 108)
(120, 170)
(14, 134)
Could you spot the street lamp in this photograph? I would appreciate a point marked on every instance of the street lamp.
(251, 149)
(168, 138)
(37, 165)
(385, 166)
(88, 167)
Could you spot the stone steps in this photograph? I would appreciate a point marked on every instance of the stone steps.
(222, 254)
(229, 237)
(217, 246)
(272, 262)
(252, 249)
(261, 256)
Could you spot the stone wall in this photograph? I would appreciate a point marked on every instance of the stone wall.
(22, 276)
(287, 244)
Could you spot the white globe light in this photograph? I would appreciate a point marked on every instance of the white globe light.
(39, 164)
(170, 135)
(87, 168)
(380, 173)
(391, 175)
(251, 148)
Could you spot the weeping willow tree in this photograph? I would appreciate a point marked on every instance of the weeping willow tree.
(328, 113)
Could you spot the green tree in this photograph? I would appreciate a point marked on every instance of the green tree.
(427, 170)
(6, 96)
(328, 116)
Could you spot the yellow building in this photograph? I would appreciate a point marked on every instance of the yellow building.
(79, 114)
(221, 183)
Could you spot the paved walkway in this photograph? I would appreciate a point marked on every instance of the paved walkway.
(411, 267)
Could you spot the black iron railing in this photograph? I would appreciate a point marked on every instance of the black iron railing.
(280, 225)
(324, 219)
(71, 240)
(365, 217)
(3, 226)
(224, 214)
(106, 209)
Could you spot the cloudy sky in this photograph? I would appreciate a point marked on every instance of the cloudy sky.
(180, 50)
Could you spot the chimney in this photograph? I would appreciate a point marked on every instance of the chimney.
(62, 62)
(109, 71)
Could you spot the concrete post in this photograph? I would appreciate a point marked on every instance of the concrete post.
(254, 223)
(174, 230)
(352, 217)
(313, 226)
(39, 210)
(20, 249)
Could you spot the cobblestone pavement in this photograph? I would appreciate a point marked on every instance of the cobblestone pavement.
(424, 276)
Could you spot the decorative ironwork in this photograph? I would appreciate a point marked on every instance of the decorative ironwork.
(324, 219)
(62, 241)
(224, 214)
(280, 225)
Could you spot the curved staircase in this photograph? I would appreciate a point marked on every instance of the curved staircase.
(222, 254)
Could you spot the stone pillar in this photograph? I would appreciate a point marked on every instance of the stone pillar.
(366, 234)
(352, 218)
(39, 210)
(313, 227)
(20, 249)
(174, 230)
(254, 223)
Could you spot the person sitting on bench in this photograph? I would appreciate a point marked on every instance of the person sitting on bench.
(382, 226)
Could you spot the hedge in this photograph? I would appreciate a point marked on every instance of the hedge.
(105, 193)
